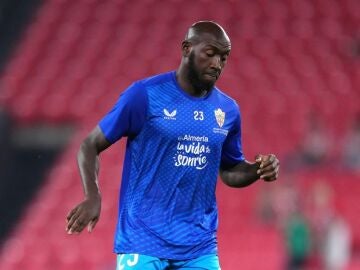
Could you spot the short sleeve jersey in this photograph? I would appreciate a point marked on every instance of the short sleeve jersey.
(176, 144)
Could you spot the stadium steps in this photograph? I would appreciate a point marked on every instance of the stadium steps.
(288, 59)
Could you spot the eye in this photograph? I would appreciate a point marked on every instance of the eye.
(224, 57)
(210, 53)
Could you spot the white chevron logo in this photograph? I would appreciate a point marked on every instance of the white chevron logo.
(169, 115)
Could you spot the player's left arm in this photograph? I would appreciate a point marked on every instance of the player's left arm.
(265, 167)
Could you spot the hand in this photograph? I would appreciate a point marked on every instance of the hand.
(268, 167)
(86, 213)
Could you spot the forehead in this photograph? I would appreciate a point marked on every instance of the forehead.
(221, 43)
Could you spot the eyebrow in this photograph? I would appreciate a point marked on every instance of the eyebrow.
(214, 47)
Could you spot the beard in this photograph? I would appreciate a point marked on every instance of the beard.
(195, 78)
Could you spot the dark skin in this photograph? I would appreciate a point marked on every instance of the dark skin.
(211, 47)
(205, 51)
(87, 213)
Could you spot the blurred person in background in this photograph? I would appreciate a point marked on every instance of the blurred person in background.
(265, 209)
(355, 46)
(181, 131)
(276, 203)
(316, 143)
(298, 239)
(319, 210)
(281, 205)
(315, 148)
(351, 148)
(337, 245)
(285, 201)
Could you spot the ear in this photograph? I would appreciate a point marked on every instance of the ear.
(186, 48)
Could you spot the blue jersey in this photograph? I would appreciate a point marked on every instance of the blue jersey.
(176, 145)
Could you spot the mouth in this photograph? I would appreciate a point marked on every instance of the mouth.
(213, 75)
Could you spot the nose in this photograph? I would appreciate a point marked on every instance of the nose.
(216, 63)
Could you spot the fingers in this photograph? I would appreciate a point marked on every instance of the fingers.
(267, 160)
(92, 224)
(258, 158)
(269, 167)
(271, 175)
(76, 222)
(78, 225)
(71, 218)
(84, 214)
(71, 213)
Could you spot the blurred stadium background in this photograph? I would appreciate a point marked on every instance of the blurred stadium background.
(294, 69)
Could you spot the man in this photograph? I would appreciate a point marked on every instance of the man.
(181, 130)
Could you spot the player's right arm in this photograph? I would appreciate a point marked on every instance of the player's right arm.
(125, 119)
(87, 212)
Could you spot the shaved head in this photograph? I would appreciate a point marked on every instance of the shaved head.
(199, 30)
(205, 50)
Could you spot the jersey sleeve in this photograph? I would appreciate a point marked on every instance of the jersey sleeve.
(128, 115)
(232, 153)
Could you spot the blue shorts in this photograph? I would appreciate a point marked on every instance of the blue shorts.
(143, 262)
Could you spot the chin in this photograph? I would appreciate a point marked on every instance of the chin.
(210, 81)
(208, 85)
(200, 81)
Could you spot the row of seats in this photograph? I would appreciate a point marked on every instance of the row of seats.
(278, 9)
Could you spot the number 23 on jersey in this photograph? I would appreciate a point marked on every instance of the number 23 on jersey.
(198, 115)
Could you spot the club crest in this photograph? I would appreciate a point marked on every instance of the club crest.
(220, 117)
